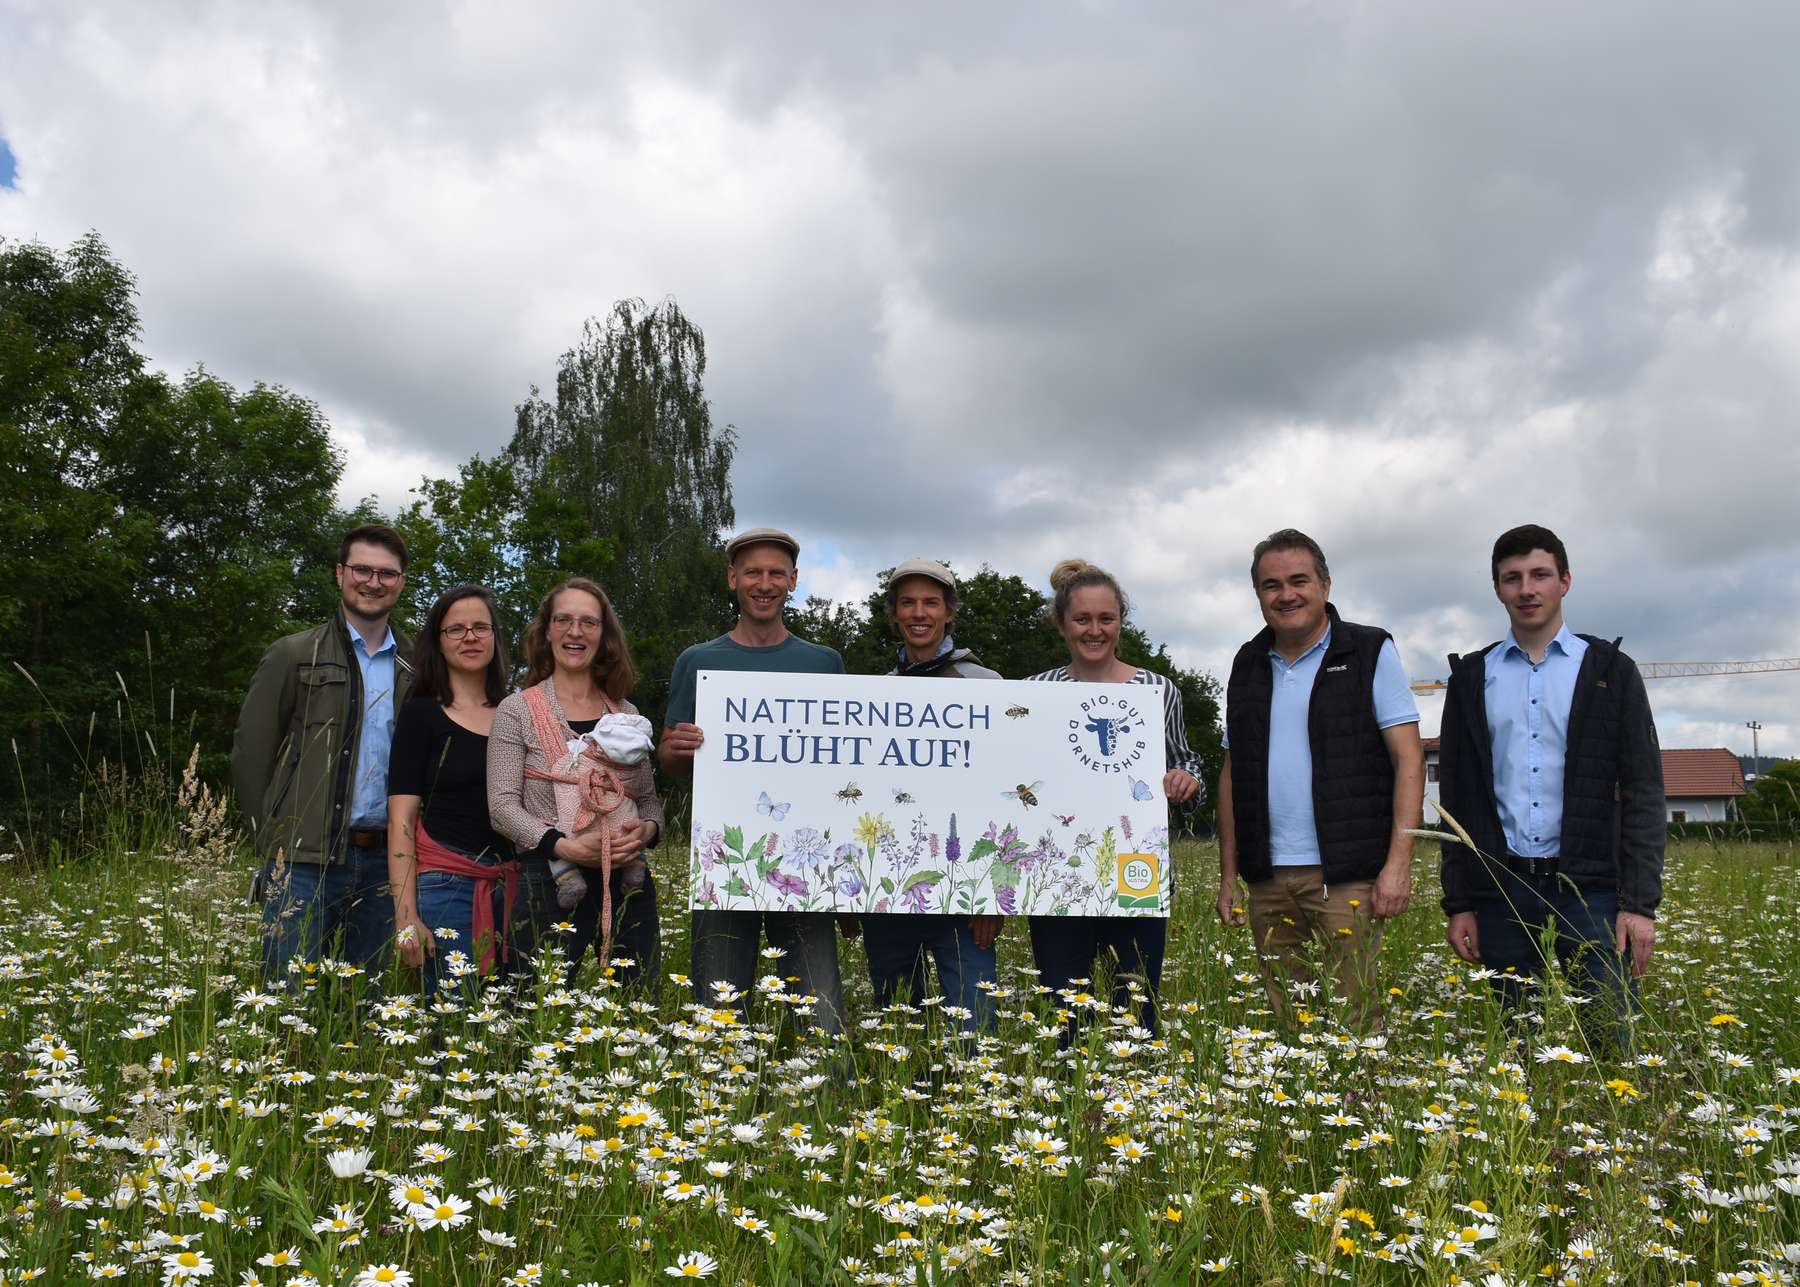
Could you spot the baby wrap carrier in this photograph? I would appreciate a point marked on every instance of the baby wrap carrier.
(596, 779)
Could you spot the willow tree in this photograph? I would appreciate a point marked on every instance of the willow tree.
(629, 443)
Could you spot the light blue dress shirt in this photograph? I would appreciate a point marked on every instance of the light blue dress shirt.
(1293, 831)
(1528, 726)
(368, 791)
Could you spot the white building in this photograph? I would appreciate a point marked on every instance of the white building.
(1702, 785)
(1698, 785)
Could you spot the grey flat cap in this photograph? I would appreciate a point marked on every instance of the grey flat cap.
(761, 536)
(925, 568)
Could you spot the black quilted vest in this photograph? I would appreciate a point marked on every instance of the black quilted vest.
(1353, 775)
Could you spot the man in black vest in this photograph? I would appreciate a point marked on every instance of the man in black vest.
(1551, 770)
(1322, 783)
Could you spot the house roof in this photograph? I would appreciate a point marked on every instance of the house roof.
(1430, 744)
(1709, 772)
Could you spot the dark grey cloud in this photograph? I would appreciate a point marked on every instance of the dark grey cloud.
(1014, 282)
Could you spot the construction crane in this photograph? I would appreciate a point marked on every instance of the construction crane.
(1675, 670)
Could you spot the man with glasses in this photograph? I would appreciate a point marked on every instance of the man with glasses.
(309, 765)
(761, 570)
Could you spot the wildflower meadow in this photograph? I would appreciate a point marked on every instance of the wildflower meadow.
(167, 1116)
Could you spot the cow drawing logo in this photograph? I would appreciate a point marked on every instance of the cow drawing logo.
(1108, 734)
(1108, 730)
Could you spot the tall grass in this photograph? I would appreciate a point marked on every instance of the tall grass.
(157, 1100)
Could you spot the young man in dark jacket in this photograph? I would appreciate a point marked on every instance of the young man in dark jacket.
(309, 765)
(1550, 766)
(1322, 785)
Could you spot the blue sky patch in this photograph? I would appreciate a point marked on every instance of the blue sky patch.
(8, 167)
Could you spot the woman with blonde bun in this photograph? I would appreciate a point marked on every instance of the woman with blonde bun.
(1089, 611)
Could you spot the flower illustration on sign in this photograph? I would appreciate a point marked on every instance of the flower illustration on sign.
(809, 848)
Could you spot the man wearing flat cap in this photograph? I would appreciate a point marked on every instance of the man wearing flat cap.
(761, 569)
(921, 605)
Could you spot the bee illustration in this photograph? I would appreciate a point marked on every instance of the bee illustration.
(1064, 818)
(850, 794)
(1025, 795)
(902, 797)
(1017, 712)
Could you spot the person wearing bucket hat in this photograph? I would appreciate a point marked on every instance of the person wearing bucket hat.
(921, 605)
(761, 569)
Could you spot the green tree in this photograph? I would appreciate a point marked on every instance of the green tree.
(68, 372)
(236, 490)
(483, 528)
(1775, 795)
(628, 453)
(153, 535)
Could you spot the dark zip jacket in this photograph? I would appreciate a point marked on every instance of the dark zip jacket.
(297, 739)
(1613, 828)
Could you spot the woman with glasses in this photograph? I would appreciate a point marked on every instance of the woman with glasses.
(579, 672)
(457, 909)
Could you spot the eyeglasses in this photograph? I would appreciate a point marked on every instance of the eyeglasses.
(479, 630)
(568, 621)
(363, 572)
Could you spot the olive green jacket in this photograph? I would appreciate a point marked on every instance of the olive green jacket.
(296, 744)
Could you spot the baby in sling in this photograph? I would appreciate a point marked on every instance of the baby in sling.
(597, 779)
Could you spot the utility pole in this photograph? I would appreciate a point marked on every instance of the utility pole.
(1755, 745)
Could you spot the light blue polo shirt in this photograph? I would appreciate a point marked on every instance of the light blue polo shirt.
(368, 792)
(1528, 723)
(1293, 831)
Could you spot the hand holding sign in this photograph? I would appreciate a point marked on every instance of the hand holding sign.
(868, 795)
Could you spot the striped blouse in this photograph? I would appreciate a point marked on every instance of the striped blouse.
(1175, 746)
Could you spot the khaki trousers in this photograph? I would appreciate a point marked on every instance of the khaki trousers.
(1293, 910)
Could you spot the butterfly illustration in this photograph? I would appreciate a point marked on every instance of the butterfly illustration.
(768, 806)
(1140, 790)
(1064, 818)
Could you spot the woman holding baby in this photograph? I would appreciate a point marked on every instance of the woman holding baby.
(569, 782)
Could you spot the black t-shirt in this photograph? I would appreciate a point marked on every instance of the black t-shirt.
(445, 765)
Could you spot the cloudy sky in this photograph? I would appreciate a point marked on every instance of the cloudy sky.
(1008, 283)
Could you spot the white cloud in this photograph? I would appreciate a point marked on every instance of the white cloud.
(1139, 285)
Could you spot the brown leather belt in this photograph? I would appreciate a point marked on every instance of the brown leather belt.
(369, 839)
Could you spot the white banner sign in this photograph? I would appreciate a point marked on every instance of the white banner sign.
(874, 794)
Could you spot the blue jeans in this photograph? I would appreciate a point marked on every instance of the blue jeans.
(447, 901)
(898, 946)
(1512, 922)
(309, 905)
(725, 950)
(1064, 948)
